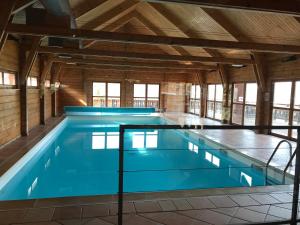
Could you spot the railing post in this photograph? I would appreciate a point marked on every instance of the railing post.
(296, 182)
(121, 170)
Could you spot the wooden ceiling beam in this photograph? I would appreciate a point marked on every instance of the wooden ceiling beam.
(6, 8)
(22, 4)
(46, 69)
(130, 68)
(142, 56)
(168, 65)
(41, 31)
(86, 7)
(113, 26)
(291, 7)
(111, 15)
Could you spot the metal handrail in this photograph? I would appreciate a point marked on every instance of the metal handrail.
(289, 162)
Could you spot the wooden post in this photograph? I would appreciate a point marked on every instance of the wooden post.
(26, 63)
(226, 107)
(6, 8)
(54, 75)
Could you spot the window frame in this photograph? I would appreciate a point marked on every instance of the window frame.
(195, 99)
(2, 85)
(146, 94)
(214, 101)
(291, 109)
(106, 97)
(243, 104)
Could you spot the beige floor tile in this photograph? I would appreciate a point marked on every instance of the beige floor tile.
(182, 204)
(95, 210)
(227, 211)
(38, 223)
(243, 200)
(200, 203)
(172, 218)
(97, 222)
(280, 212)
(270, 218)
(128, 207)
(38, 214)
(222, 201)
(237, 221)
(11, 216)
(264, 199)
(147, 206)
(261, 209)
(282, 197)
(70, 212)
(131, 219)
(207, 216)
(249, 215)
(167, 205)
(74, 221)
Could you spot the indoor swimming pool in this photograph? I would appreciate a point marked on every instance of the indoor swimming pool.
(80, 158)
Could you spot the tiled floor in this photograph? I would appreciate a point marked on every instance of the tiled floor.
(256, 146)
(220, 206)
(220, 209)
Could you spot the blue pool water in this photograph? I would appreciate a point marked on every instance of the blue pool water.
(80, 157)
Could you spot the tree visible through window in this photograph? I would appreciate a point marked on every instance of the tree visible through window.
(244, 103)
(214, 101)
(146, 95)
(106, 94)
(195, 95)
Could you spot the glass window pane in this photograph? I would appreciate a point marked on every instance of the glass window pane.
(218, 111)
(47, 83)
(113, 102)
(139, 90)
(249, 115)
(282, 94)
(99, 89)
(198, 91)
(251, 93)
(28, 81)
(280, 117)
(1, 78)
(210, 109)
(192, 106)
(296, 122)
(219, 92)
(34, 82)
(237, 113)
(211, 92)
(193, 91)
(197, 107)
(139, 102)
(152, 102)
(238, 93)
(9, 79)
(153, 91)
(113, 89)
(99, 101)
(297, 95)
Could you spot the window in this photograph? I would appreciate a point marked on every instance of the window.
(195, 93)
(7, 79)
(105, 140)
(106, 94)
(214, 101)
(32, 82)
(47, 83)
(146, 95)
(286, 106)
(244, 103)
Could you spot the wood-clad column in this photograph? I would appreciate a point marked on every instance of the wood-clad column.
(54, 78)
(262, 102)
(6, 8)
(226, 95)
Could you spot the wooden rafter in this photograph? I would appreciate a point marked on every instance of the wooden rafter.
(6, 8)
(113, 26)
(129, 68)
(142, 56)
(148, 39)
(46, 69)
(30, 60)
(167, 65)
(22, 4)
(87, 6)
(292, 7)
(230, 28)
(111, 15)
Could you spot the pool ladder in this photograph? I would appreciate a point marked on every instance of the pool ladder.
(290, 162)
